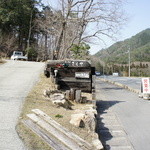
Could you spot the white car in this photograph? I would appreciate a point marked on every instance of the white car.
(97, 73)
(17, 55)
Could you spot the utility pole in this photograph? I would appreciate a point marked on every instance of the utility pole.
(103, 70)
(129, 62)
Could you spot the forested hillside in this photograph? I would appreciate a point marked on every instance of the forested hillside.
(44, 32)
(139, 46)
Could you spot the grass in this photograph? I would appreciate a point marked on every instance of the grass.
(31, 140)
(59, 116)
(36, 100)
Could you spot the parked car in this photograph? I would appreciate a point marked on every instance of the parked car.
(115, 74)
(97, 73)
(17, 55)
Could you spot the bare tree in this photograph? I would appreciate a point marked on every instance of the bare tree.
(7, 44)
(81, 21)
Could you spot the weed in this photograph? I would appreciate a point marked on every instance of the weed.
(59, 116)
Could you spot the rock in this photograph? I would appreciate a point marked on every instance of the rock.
(97, 144)
(92, 110)
(84, 118)
(77, 120)
(146, 96)
(90, 121)
(141, 95)
(57, 96)
(95, 136)
(59, 100)
(79, 111)
(62, 103)
(46, 93)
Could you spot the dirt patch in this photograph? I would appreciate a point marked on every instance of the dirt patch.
(36, 100)
(2, 61)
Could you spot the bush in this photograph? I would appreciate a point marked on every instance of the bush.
(31, 53)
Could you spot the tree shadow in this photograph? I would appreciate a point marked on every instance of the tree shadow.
(104, 133)
(113, 88)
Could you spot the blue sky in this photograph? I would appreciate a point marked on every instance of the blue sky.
(139, 17)
(138, 12)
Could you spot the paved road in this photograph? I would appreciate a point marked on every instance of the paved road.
(124, 118)
(132, 82)
(16, 80)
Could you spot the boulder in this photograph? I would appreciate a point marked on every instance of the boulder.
(77, 120)
(91, 110)
(62, 103)
(84, 118)
(59, 100)
(97, 144)
(57, 96)
(90, 121)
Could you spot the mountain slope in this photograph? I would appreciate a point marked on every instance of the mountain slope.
(139, 46)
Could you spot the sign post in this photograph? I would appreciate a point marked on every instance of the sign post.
(145, 88)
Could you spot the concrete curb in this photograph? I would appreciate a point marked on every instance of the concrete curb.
(121, 85)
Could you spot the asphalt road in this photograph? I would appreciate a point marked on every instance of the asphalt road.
(124, 118)
(16, 80)
(133, 82)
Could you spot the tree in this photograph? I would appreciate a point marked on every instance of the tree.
(80, 51)
(70, 24)
(55, 32)
(7, 44)
(32, 54)
(16, 19)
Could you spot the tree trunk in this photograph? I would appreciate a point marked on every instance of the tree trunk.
(60, 39)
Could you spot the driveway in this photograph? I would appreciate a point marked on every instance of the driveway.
(16, 80)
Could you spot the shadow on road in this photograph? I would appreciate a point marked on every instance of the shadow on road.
(113, 88)
(104, 120)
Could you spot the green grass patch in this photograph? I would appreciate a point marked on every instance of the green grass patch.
(59, 116)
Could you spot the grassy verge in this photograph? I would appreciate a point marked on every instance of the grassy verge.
(36, 100)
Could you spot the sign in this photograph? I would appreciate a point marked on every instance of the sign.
(145, 85)
(77, 63)
(82, 75)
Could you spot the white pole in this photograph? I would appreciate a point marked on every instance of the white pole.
(103, 70)
(129, 62)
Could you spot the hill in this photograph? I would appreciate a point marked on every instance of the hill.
(139, 46)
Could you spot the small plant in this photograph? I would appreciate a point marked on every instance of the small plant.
(58, 116)
(31, 53)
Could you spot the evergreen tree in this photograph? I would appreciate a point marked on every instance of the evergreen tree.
(17, 18)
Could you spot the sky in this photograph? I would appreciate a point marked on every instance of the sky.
(138, 13)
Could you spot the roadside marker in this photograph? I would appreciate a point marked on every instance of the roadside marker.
(145, 88)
